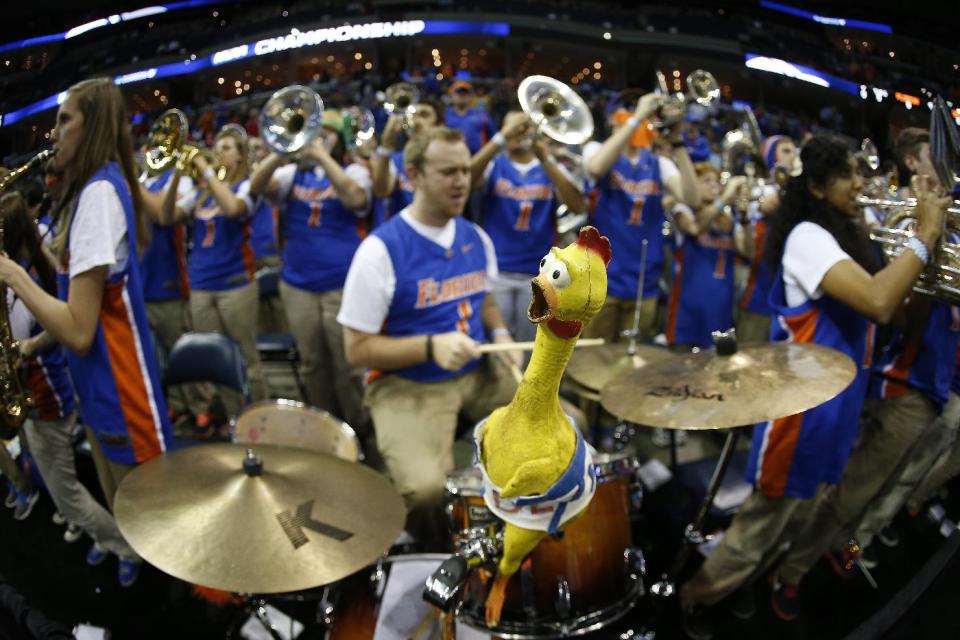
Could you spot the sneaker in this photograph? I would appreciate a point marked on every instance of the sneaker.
(96, 555)
(698, 623)
(73, 533)
(11, 500)
(58, 519)
(743, 604)
(785, 600)
(868, 557)
(889, 536)
(128, 572)
(24, 504)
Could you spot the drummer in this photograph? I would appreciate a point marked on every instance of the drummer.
(828, 289)
(416, 306)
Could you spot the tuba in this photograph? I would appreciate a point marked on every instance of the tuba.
(291, 119)
(941, 277)
(15, 401)
(702, 88)
(555, 109)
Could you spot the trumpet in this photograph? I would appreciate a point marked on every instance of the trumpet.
(291, 119)
(941, 277)
(401, 98)
(702, 88)
(167, 146)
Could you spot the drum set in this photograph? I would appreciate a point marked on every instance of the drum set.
(287, 510)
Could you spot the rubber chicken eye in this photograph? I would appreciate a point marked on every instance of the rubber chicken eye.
(559, 276)
(546, 263)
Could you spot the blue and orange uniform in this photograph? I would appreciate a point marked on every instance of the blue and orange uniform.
(322, 235)
(757, 292)
(791, 456)
(925, 361)
(222, 257)
(519, 215)
(628, 209)
(117, 380)
(402, 194)
(264, 231)
(701, 300)
(474, 124)
(163, 265)
(438, 290)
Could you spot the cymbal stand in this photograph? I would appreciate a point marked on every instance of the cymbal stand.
(255, 606)
(693, 534)
(634, 332)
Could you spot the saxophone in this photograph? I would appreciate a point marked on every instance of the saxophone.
(15, 401)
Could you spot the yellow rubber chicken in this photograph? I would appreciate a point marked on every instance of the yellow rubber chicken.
(536, 465)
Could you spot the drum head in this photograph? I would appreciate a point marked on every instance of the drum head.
(294, 424)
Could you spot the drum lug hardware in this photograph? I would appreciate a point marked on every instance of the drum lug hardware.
(325, 609)
(630, 634)
(443, 587)
(623, 433)
(635, 561)
(378, 578)
(693, 536)
(562, 605)
(662, 589)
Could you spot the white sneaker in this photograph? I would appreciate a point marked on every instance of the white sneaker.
(58, 519)
(73, 533)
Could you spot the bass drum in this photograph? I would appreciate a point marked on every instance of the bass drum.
(571, 585)
(385, 602)
(293, 424)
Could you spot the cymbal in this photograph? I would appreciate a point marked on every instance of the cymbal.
(709, 391)
(594, 368)
(308, 520)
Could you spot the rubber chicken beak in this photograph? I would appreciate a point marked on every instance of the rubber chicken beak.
(543, 306)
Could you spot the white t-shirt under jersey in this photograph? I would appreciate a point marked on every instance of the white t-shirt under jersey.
(371, 281)
(98, 236)
(810, 252)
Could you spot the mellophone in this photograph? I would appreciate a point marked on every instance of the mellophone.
(277, 510)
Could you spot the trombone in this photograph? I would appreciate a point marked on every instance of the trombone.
(702, 88)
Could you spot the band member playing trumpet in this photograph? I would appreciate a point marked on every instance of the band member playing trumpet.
(389, 173)
(326, 206)
(521, 183)
(416, 306)
(828, 289)
(224, 296)
(630, 183)
(100, 316)
(701, 299)
(474, 123)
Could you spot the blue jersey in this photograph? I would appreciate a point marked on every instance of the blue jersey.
(322, 235)
(701, 300)
(164, 263)
(757, 292)
(474, 124)
(519, 215)
(628, 210)
(117, 381)
(925, 361)
(438, 290)
(263, 227)
(791, 456)
(222, 256)
(402, 194)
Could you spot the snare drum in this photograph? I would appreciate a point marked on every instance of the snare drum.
(293, 424)
(576, 583)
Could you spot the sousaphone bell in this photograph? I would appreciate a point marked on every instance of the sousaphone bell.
(555, 109)
(291, 119)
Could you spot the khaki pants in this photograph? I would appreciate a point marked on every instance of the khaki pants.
(110, 473)
(947, 463)
(753, 327)
(756, 534)
(512, 292)
(616, 316)
(272, 317)
(416, 423)
(234, 314)
(10, 468)
(52, 447)
(170, 319)
(331, 383)
(893, 428)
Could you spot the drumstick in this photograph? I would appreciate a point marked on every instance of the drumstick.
(528, 346)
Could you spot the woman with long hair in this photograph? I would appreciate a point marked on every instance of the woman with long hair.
(828, 290)
(100, 315)
(223, 291)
